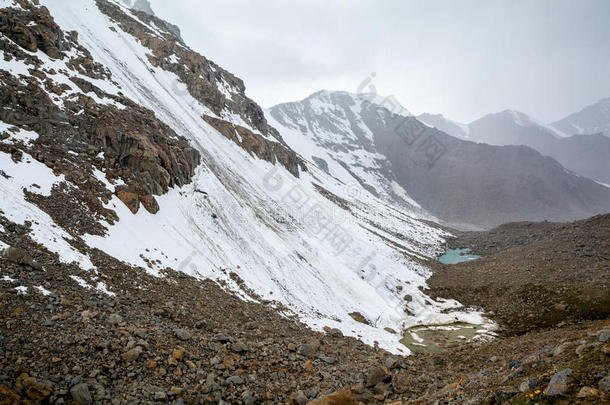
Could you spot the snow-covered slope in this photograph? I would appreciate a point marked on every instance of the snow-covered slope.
(315, 243)
(592, 119)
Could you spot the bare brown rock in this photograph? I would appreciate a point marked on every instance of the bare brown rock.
(376, 375)
(358, 317)
(129, 198)
(341, 397)
(33, 389)
(150, 203)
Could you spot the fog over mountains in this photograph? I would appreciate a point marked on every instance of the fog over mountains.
(584, 149)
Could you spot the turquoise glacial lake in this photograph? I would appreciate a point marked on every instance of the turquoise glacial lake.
(453, 256)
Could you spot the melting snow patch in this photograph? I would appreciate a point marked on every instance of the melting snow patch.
(21, 290)
(43, 290)
(29, 174)
(80, 281)
(101, 287)
(7, 278)
(17, 134)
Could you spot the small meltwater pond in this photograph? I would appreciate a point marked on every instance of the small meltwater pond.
(438, 338)
(453, 256)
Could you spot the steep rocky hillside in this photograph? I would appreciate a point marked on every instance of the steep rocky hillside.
(116, 136)
(162, 242)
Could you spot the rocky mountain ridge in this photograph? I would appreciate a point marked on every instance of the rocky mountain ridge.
(401, 159)
(586, 154)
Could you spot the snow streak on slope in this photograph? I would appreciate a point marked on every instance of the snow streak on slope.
(308, 243)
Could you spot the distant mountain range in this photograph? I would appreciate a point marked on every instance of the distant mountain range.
(592, 119)
(583, 149)
(400, 158)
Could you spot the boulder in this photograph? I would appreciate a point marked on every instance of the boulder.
(587, 392)
(129, 198)
(149, 203)
(19, 256)
(298, 398)
(376, 375)
(132, 354)
(32, 388)
(80, 394)
(604, 384)
(559, 383)
(358, 317)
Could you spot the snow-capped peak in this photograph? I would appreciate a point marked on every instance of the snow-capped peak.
(389, 103)
(592, 119)
(522, 119)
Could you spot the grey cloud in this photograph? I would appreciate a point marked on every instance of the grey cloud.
(462, 58)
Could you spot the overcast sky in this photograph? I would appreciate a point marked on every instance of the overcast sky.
(464, 59)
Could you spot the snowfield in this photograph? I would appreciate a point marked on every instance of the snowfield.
(291, 244)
